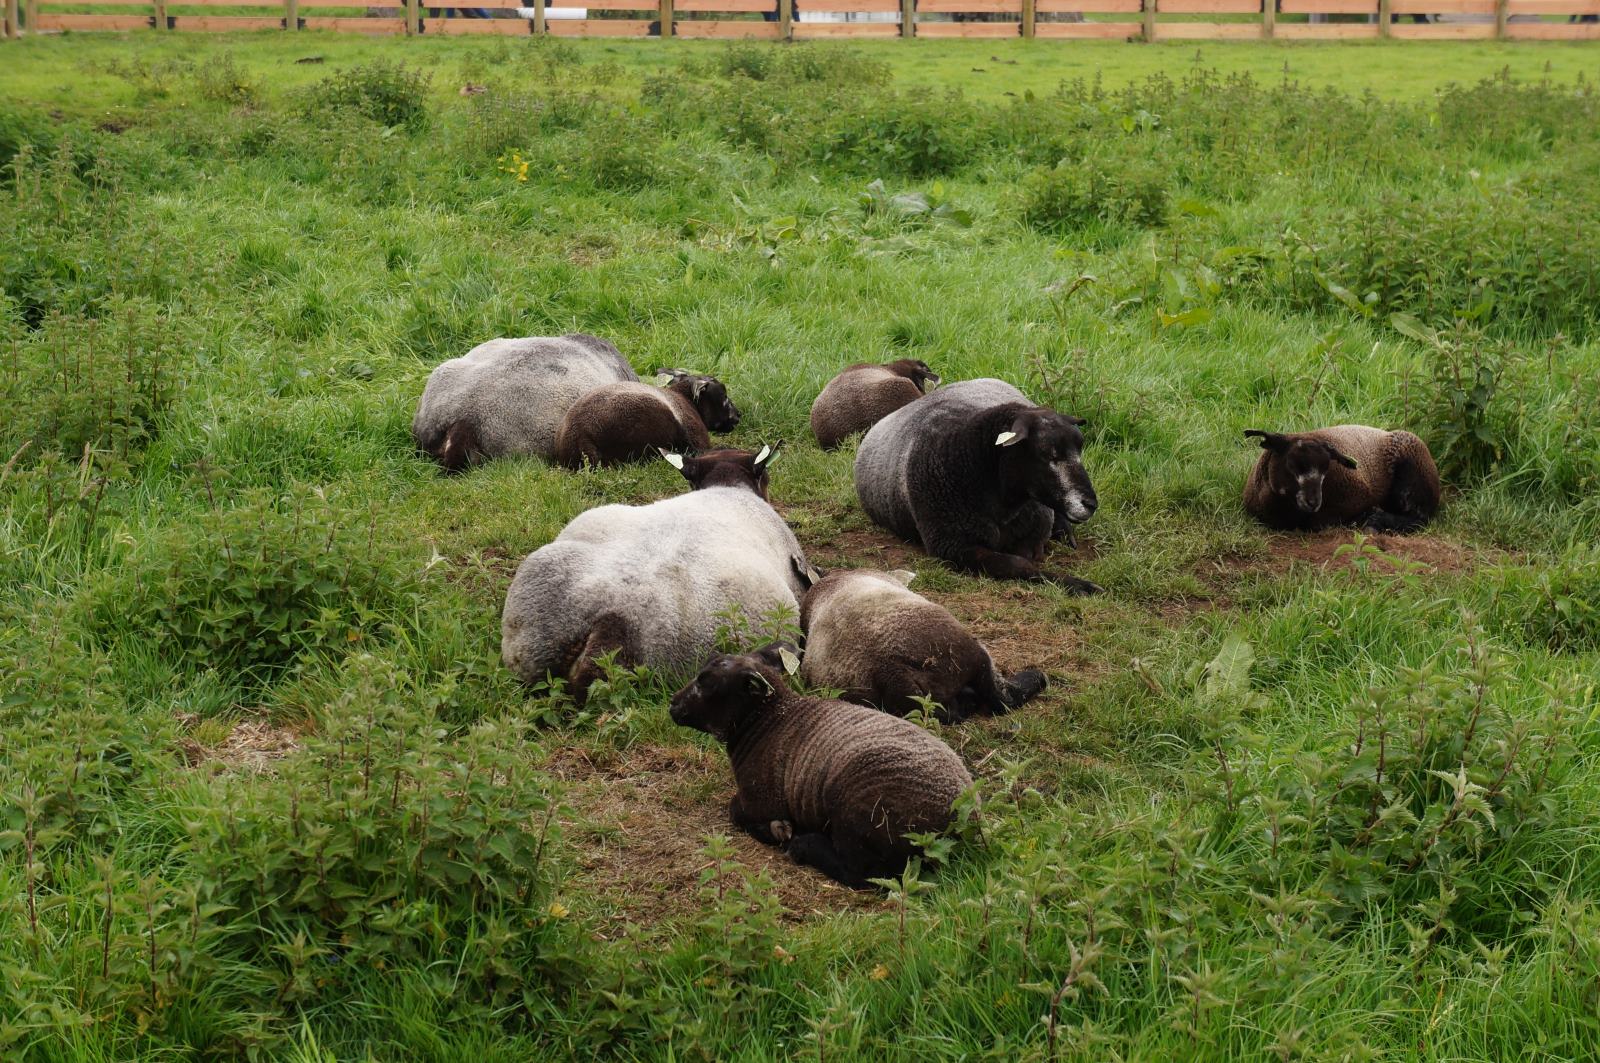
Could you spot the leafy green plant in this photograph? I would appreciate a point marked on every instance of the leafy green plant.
(390, 94)
(1111, 187)
(252, 587)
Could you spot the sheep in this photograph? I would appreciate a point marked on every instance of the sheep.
(648, 582)
(863, 395)
(980, 476)
(1348, 474)
(625, 421)
(839, 786)
(883, 644)
(508, 396)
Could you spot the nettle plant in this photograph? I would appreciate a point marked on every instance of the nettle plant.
(386, 843)
(1440, 776)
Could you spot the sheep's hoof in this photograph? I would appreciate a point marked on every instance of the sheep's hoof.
(1082, 587)
(782, 830)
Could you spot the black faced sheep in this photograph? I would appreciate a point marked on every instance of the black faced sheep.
(508, 396)
(626, 421)
(649, 581)
(865, 394)
(980, 476)
(1349, 474)
(839, 785)
(882, 644)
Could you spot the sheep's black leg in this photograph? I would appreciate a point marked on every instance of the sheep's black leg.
(610, 632)
(1022, 687)
(762, 829)
(816, 850)
(994, 563)
(1400, 510)
(1062, 529)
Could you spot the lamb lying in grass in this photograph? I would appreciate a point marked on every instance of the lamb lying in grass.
(884, 645)
(1349, 474)
(840, 786)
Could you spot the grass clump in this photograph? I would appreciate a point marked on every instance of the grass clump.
(391, 94)
(251, 587)
(1113, 188)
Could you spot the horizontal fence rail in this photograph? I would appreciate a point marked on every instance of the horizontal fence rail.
(1146, 20)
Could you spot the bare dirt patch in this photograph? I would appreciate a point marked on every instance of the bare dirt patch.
(1383, 553)
(640, 821)
(252, 745)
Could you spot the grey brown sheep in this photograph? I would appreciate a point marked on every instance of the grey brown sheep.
(651, 582)
(980, 476)
(623, 422)
(507, 396)
(884, 645)
(864, 394)
(1348, 474)
(840, 786)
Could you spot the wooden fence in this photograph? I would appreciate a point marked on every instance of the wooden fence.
(797, 19)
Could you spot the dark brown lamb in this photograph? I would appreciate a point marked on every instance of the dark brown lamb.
(865, 394)
(1348, 474)
(626, 422)
(839, 786)
(884, 645)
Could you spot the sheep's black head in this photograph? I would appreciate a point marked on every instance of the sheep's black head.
(708, 396)
(1297, 466)
(1042, 453)
(728, 691)
(916, 371)
(726, 468)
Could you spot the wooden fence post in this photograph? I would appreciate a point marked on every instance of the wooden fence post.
(1501, 13)
(1385, 18)
(1149, 21)
(160, 9)
(786, 20)
(30, 19)
(291, 15)
(1269, 18)
(908, 18)
(413, 18)
(1029, 13)
(538, 18)
(13, 17)
(666, 18)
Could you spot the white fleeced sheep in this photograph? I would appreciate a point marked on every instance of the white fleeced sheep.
(649, 581)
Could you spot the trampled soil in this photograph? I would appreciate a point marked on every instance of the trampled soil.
(639, 823)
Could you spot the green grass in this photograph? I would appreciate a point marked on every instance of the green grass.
(1235, 826)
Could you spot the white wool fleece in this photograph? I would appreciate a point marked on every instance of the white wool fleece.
(668, 568)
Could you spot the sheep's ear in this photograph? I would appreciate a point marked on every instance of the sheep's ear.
(808, 575)
(903, 576)
(1013, 435)
(767, 455)
(675, 460)
(791, 663)
(696, 389)
(756, 683)
(1341, 457)
(1269, 440)
(1079, 421)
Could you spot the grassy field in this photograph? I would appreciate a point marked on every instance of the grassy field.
(269, 793)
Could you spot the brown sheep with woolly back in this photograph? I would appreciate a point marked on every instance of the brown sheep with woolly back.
(1348, 474)
(884, 645)
(839, 786)
(627, 421)
(864, 394)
